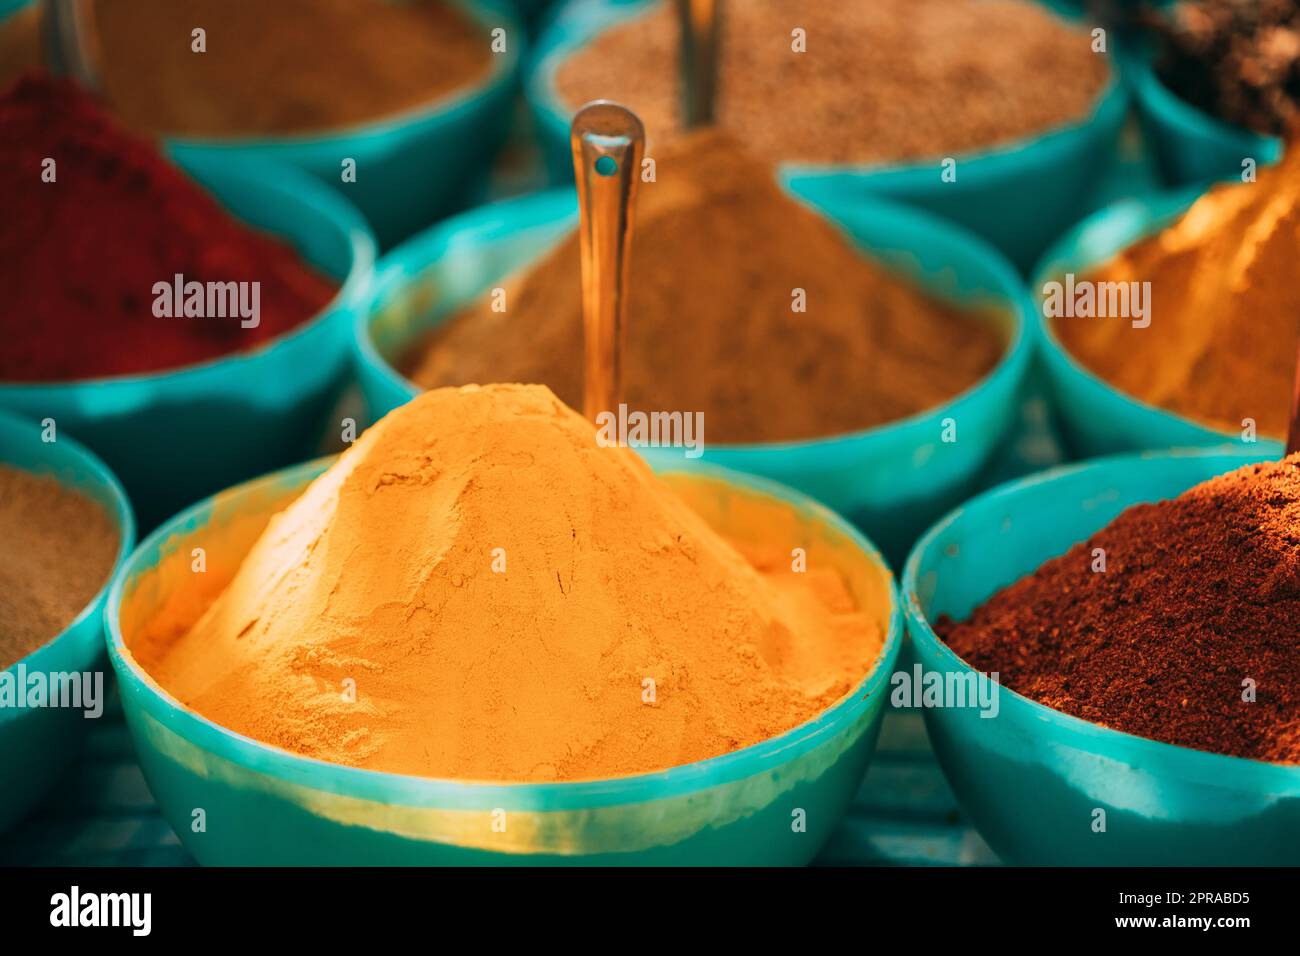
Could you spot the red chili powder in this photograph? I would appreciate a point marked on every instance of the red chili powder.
(79, 256)
(1198, 608)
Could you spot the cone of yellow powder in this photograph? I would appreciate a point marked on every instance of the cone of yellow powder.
(478, 590)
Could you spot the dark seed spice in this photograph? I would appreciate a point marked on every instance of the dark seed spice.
(1199, 602)
(1238, 60)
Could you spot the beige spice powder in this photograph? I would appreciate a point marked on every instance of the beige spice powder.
(880, 81)
(57, 549)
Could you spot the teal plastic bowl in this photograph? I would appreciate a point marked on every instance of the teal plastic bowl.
(263, 805)
(1031, 778)
(893, 480)
(38, 744)
(1018, 196)
(1096, 418)
(413, 167)
(1191, 146)
(258, 409)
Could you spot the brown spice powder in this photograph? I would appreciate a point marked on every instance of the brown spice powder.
(717, 251)
(1199, 594)
(292, 66)
(57, 548)
(880, 81)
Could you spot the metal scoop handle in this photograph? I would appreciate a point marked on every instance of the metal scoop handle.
(608, 143)
(69, 39)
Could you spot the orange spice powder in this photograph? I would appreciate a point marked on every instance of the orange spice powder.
(513, 602)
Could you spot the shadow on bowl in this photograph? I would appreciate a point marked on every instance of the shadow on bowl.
(263, 407)
(263, 805)
(1096, 417)
(38, 744)
(893, 480)
(1032, 778)
(1018, 196)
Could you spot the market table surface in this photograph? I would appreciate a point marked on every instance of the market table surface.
(904, 814)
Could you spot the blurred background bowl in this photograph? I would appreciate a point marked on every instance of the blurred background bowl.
(275, 807)
(893, 480)
(1032, 777)
(415, 167)
(1095, 417)
(1191, 146)
(1018, 196)
(38, 744)
(259, 408)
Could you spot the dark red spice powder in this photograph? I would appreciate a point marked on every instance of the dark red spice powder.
(1200, 594)
(79, 256)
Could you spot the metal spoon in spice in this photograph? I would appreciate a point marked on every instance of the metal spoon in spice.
(608, 142)
(69, 41)
(701, 35)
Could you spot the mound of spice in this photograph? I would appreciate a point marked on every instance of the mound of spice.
(1224, 309)
(57, 549)
(95, 218)
(514, 603)
(1238, 60)
(292, 66)
(718, 253)
(1196, 613)
(868, 82)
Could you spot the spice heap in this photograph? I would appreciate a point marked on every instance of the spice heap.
(292, 66)
(81, 253)
(1238, 60)
(57, 549)
(877, 82)
(1224, 309)
(1199, 594)
(719, 249)
(501, 588)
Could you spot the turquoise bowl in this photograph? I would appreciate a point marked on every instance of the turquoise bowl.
(413, 167)
(1191, 145)
(1031, 778)
(261, 408)
(264, 805)
(1095, 417)
(1019, 196)
(893, 480)
(38, 744)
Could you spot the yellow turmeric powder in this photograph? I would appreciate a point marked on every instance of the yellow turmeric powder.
(1224, 308)
(514, 603)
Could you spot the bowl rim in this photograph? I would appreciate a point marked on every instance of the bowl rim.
(415, 255)
(1082, 734)
(410, 790)
(90, 466)
(1157, 210)
(579, 24)
(447, 106)
(258, 175)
